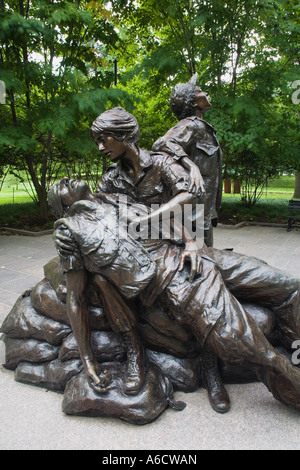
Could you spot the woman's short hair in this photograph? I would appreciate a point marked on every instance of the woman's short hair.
(117, 122)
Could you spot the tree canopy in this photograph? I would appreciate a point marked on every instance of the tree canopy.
(57, 62)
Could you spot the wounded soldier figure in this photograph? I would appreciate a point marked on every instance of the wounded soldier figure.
(209, 305)
(100, 247)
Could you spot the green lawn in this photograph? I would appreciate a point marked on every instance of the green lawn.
(286, 182)
(13, 193)
(282, 187)
(15, 203)
(17, 197)
(272, 207)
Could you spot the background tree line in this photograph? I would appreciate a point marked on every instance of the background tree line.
(57, 61)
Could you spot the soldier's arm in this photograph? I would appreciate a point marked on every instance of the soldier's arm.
(176, 143)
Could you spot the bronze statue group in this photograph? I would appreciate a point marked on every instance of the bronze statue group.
(184, 167)
(173, 276)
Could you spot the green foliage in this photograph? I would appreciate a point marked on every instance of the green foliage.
(246, 54)
(12, 212)
(56, 62)
(53, 63)
(233, 211)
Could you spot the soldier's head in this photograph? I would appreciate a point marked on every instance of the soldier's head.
(65, 193)
(187, 99)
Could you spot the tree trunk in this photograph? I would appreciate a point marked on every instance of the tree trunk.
(227, 186)
(43, 203)
(237, 187)
(39, 186)
(297, 185)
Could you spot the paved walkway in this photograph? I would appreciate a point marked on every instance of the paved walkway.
(31, 417)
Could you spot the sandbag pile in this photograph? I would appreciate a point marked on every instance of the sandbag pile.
(42, 351)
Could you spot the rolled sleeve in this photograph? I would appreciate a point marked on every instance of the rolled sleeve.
(175, 177)
(171, 147)
(178, 139)
(73, 261)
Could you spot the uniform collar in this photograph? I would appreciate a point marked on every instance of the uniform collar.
(195, 118)
(145, 158)
(145, 162)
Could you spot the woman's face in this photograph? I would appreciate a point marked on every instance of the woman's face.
(202, 99)
(72, 191)
(111, 147)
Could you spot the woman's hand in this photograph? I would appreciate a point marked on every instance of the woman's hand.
(191, 253)
(196, 181)
(63, 241)
(197, 185)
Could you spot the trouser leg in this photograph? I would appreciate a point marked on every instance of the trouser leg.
(252, 280)
(238, 340)
(209, 236)
(122, 321)
(217, 394)
(119, 313)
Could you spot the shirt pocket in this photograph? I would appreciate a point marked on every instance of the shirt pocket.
(209, 148)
